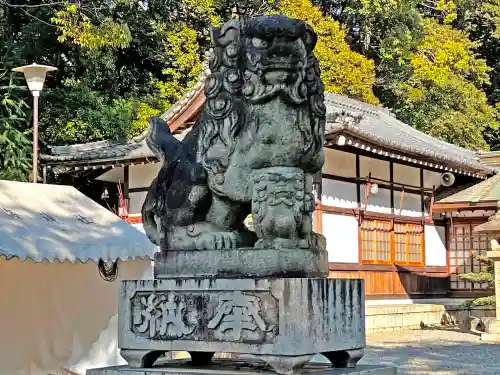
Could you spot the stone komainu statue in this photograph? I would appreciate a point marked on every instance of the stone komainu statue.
(254, 149)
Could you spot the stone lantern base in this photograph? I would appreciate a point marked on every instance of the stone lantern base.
(492, 325)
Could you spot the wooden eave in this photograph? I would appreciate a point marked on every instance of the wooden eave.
(188, 113)
(362, 146)
(464, 206)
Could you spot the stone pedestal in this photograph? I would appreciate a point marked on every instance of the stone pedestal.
(227, 367)
(282, 321)
(244, 262)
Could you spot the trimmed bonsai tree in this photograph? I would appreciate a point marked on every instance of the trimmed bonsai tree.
(481, 277)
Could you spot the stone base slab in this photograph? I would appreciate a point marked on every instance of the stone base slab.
(228, 367)
(283, 322)
(245, 262)
(491, 330)
(490, 337)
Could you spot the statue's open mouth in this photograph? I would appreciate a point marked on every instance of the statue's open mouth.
(291, 67)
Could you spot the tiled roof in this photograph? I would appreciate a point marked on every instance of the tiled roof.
(103, 151)
(492, 226)
(379, 126)
(485, 191)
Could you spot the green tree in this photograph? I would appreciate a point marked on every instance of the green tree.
(376, 27)
(121, 62)
(481, 21)
(118, 63)
(487, 276)
(440, 93)
(420, 51)
(343, 71)
(15, 146)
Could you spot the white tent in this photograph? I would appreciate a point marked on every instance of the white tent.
(57, 313)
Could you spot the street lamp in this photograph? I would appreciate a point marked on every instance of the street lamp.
(35, 77)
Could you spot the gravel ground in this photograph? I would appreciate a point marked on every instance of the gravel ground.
(438, 352)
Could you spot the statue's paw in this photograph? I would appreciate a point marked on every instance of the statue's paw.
(233, 239)
(276, 243)
(263, 243)
(203, 236)
(224, 240)
(284, 243)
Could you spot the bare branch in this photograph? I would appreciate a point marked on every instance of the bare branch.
(3, 2)
(36, 18)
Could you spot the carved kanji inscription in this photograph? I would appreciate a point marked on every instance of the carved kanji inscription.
(161, 316)
(213, 316)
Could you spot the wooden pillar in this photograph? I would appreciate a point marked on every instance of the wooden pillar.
(317, 214)
(422, 198)
(358, 182)
(126, 182)
(391, 179)
(126, 186)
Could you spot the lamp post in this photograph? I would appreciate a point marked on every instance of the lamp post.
(35, 77)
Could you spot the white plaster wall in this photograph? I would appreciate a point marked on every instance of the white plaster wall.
(432, 179)
(338, 194)
(142, 175)
(405, 174)
(411, 205)
(136, 202)
(343, 194)
(341, 234)
(435, 245)
(380, 202)
(113, 175)
(377, 168)
(339, 163)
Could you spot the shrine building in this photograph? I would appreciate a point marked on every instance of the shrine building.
(394, 203)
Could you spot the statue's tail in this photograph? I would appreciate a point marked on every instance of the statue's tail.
(149, 216)
(161, 140)
(165, 147)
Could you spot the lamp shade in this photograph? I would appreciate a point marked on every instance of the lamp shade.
(35, 75)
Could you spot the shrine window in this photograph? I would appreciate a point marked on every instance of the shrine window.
(408, 243)
(375, 239)
(388, 242)
(464, 247)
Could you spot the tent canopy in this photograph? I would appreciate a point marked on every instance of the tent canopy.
(56, 222)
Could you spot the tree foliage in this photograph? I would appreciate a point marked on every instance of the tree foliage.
(441, 93)
(431, 70)
(77, 27)
(433, 62)
(15, 146)
(343, 70)
(487, 276)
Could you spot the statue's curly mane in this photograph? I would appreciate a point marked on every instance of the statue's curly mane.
(223, 115)
(221, 118)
